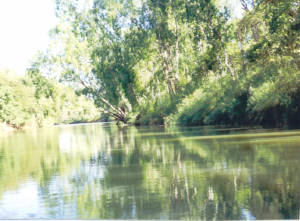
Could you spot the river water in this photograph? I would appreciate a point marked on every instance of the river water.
(97, 171)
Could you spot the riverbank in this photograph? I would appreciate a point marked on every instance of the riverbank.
(6, 129)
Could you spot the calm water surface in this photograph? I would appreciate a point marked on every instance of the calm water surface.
(98, 171)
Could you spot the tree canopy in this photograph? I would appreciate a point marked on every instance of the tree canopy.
(183, 61)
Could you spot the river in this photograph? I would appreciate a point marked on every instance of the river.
(98, 171)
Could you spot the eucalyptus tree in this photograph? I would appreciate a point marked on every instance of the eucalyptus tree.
(192, 37)
(92, 57)
(127, 53)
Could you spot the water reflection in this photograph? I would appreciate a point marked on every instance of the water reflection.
(100, 171)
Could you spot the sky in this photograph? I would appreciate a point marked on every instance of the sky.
(234, 6)
(25, 25)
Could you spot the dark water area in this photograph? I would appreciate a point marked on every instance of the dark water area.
(98, 171)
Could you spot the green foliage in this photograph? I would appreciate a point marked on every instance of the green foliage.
(262, 86)
(125, 53)
(220, 101)
(178, 61)
(16, 99)
(154, 112)
(35, 101)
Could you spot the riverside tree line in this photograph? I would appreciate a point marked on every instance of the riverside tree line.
(179, 61)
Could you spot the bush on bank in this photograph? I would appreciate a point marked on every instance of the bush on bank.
(24, 104)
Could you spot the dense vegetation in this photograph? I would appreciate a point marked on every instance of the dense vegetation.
(180, 61)
(33, 101)
(183, 61)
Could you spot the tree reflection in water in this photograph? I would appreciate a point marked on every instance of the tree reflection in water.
(100, 171)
